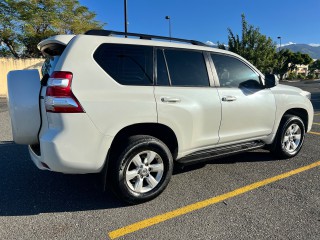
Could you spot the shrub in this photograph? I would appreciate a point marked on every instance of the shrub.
(292, 75)
(300, 76)
(311, 76)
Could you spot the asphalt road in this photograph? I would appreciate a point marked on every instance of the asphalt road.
(37, 204)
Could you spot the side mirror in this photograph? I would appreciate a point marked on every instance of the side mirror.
(271, 80)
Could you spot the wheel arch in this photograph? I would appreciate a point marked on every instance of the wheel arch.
(277, 147)
(299, 112)
(157, 130)
(160, 131)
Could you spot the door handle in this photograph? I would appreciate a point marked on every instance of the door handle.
(170, 100)
(229, 98)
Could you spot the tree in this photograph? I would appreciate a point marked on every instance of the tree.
(315, 65)
(23, 24)
(284, 58)
(221, 46)
(288, 61)
(257, 48)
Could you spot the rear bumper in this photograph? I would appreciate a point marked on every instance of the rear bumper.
(36, 159)
(77, 147)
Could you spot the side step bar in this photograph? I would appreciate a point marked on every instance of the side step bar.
(213, 153)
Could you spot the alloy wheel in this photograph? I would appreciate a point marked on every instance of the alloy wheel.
(144, 171)
(292, 138)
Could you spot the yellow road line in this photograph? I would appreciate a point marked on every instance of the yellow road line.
(316, 133)
(317, 114)
(199, 205)
(316, 123)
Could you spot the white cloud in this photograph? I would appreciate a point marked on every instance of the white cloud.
(314, 44)
(290, 43)
(210, 43)
(285, 44)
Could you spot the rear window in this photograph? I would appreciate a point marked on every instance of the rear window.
(49, 65)
(126, 64)
(52, 52)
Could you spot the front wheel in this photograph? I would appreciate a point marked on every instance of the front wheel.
(141, 170)
(290, 137)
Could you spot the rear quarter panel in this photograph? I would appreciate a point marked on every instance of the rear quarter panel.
(109, 105)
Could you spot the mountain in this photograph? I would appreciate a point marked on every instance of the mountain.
(314, 52)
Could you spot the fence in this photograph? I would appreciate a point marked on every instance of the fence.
(8, 64)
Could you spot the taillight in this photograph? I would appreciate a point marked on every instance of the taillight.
(59, 97)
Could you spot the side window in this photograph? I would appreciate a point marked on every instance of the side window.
(234, 73)
(162, 73)
(187, 68)
(126, 64)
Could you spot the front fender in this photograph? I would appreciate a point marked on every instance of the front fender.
(288, 98)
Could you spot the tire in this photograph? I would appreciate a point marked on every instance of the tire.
(289, 138)
(141, 170)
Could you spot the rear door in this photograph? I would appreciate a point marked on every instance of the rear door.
(24, 95)
(52, 48)
(248, 108)
(186, 100)
(46, 70)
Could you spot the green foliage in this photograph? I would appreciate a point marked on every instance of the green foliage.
(288, 61)
(311, 76)
(260, 50)
(284, 59)
(23, 24)
(221, 46)
(301, 58)
(315, 65)
(300, 76)
(257, 48)
(292, 75)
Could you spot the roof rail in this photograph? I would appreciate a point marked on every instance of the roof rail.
(141, 36)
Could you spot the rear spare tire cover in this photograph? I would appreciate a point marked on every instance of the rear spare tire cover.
(23, 103)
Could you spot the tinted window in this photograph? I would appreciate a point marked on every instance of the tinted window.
(126, 64)
(49, 65)
(186, 68)
(48, 68)
(162, 74)
(234, 73)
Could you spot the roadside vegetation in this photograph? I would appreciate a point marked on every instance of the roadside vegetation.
(23, 24)
(262, 52)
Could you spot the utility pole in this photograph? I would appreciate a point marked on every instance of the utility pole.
(168, 18)
(125, 18)
(280, 43)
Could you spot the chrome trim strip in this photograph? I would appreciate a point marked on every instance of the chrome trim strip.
(66, 102)
(58, 82)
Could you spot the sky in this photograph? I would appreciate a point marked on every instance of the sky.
(208, 20)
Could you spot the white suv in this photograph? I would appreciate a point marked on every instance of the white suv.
(131, 108)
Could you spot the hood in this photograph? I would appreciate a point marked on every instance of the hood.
(280, 88)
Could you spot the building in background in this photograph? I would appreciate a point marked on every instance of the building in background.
(302, 69)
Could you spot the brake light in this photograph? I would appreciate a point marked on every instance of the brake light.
(59, 96)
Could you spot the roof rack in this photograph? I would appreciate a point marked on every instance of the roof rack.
(141, 36)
